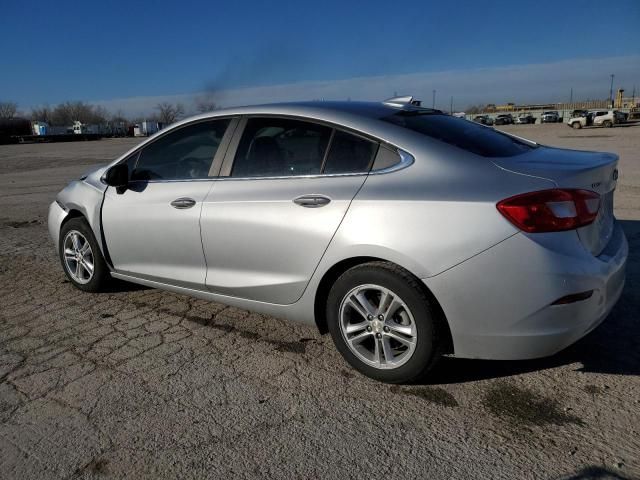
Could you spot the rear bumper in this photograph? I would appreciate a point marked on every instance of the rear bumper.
(499, 303)
(56, 215)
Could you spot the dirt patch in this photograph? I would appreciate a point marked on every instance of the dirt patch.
(594, 389)
(436, 395)
(519, 405)
(20, 224)
(96, 467)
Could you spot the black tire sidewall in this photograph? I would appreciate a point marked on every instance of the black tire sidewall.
(426, 349)
(100, 270)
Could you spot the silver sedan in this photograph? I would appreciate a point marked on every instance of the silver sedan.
(405, 233)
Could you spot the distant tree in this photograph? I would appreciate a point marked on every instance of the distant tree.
(8, 109)
(41, 114)
(169, 113)
(119, 117)
(473, 109)
(68, 112)
(205, 103)
(99, 114)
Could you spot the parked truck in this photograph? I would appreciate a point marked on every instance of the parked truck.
(145, 129)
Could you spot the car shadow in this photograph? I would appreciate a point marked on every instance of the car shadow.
(596, 473)
(120, 286)
(613, 347)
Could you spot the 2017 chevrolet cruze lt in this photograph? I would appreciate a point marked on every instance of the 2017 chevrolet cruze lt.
(404, 232)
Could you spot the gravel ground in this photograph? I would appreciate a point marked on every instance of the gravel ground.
(140, 383)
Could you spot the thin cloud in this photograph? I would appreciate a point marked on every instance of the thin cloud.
(533, 83)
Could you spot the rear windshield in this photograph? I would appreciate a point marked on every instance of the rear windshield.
(461, 133)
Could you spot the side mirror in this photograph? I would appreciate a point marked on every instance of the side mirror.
(117, 176)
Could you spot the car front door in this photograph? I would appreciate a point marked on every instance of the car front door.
(152, 229)
(278, 202)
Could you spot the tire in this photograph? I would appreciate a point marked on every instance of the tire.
(411, 358)
(576, 125)
(607, 124)
(83, 279)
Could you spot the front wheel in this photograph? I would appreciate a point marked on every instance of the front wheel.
(607, 124)
(576, 125)
(81, 257)
(383, 324)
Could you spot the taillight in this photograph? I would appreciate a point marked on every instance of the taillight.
(551, 210)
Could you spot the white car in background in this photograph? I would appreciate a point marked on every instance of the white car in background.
(604, 118)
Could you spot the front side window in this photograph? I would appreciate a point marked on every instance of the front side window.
(275, 147)
(186, 153)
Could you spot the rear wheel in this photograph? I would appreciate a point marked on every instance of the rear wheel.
(607, 123)
(382, 323)
(81, 257)
(576, 125)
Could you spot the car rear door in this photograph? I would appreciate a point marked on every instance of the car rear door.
(282, 193)
(152, 229)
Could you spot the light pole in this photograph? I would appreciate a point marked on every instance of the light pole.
(433, 105)
(611, 91)
(451, 106)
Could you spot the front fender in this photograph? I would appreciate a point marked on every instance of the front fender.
(83, 198)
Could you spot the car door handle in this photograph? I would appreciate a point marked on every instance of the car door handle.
(183, 202)
(311, 201)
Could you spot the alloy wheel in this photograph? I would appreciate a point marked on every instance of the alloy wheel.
(78, 257)
(377, 326)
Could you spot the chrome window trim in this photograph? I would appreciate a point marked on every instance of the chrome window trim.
(406, 159)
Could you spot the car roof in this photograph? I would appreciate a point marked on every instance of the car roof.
(365, 117)
(318, 109)
(362, 116)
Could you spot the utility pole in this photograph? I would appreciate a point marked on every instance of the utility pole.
(611, 91)
(571, 96)
(433, 105)
(451, 109)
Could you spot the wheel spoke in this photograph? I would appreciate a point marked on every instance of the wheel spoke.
(85, 248)
(78, 270)
(353, 303)
(391, 307)
(402, 329)
(75, 242)
(366, 304)
(70, 254)
(88, 266)
(388, 351)
(404, 340)
(377, 354)
(358, 339)
(355, 327)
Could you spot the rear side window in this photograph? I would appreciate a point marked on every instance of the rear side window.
(275, 147)
(186, 153)
(463, 134)
(349, 154)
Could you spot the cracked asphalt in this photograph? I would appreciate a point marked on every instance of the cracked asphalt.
(140, 383)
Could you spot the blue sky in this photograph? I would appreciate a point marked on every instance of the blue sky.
(119, 52)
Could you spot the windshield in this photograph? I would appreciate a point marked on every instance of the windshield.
(460, 133)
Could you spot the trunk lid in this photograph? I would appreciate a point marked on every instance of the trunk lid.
(595, 171)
